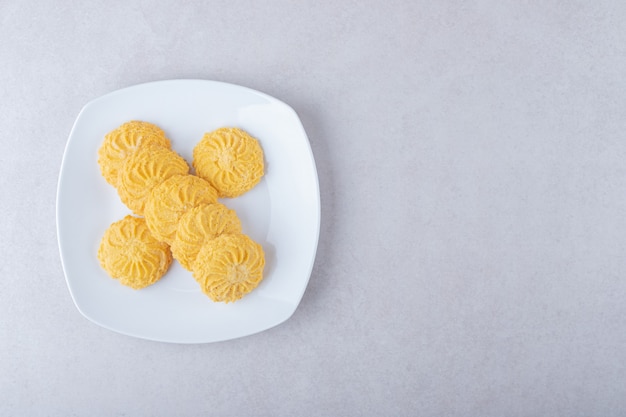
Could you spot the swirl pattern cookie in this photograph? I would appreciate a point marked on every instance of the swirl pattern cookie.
(171, 199)
(128, 252)
(230, 159)
(181, 209)
(229, 267)
(148, 167)
(200, 225)
(123, 142)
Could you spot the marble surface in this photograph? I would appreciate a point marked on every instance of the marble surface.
(472, 256)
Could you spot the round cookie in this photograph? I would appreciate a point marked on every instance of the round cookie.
(198, 226)
(229, 267)
(123, 142)
(129, 253)
(171, 199)
(230, 159)
(148, 167)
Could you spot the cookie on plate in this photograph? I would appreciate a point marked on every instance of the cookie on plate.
(198, 226)
(122, 142)
(230, 159)
(149, 166)
(171, 199)
(229, 267)
(129, 253)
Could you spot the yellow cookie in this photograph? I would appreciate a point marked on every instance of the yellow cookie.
(230, 159)
(198, 226)
(128, 252)
(171, 199)
(148, 167)
(229, 267)
(123, 142)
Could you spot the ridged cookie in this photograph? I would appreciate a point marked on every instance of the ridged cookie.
(123, 142)
(229, 267)
(149, 166)
(198, 226)
(171, 199)
(230, 159)
(128, 252)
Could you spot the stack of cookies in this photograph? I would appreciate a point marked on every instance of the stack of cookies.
(181, 213)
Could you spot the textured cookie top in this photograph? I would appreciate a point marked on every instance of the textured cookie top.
(149, 166)
(230, 159)
(123, 142)
(198, 226)
(128, 252)
(229, 267)
(171, 199)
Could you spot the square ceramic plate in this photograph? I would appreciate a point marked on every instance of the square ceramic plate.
(282, 212)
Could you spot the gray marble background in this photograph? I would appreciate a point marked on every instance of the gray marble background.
(471, 158)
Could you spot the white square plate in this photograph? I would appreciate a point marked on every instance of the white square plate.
(282, 212)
